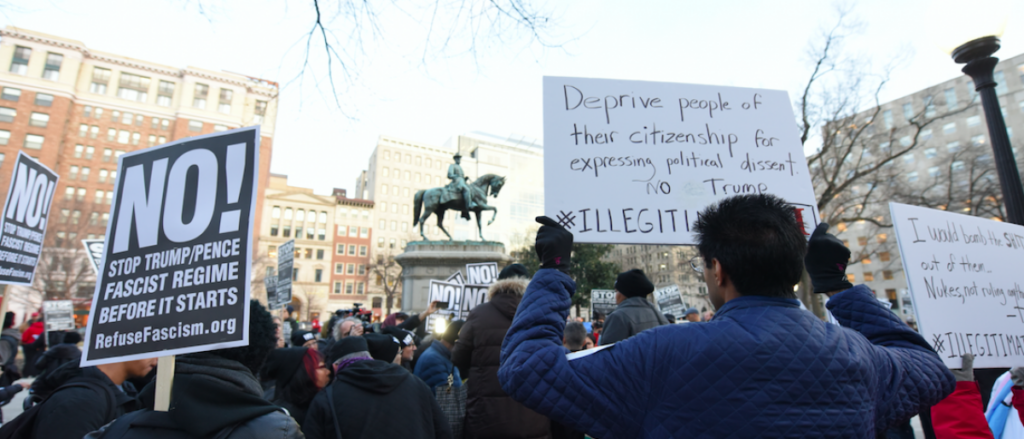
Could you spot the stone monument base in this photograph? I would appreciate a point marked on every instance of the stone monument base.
(423, 261)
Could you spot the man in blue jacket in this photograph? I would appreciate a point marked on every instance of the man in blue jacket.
(761, 368)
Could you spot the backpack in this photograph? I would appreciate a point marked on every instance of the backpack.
(21, 426)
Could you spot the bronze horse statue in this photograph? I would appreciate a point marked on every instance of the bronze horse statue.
(439, 199)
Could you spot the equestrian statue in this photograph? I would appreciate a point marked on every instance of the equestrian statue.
(457, 195)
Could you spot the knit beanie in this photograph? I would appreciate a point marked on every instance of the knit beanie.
(300, 337)
(513, 270)
(634, 283)
(346, 346)
(382, 347)
(451, 334)
(283, 363)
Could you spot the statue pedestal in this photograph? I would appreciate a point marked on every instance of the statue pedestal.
(423, 261)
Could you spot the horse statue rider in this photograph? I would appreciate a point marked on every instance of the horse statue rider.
(458, 183)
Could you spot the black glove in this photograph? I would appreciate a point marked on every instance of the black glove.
(826, 261)
(554, 245)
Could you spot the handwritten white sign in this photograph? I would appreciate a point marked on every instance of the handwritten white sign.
(965, 277)
(633, 162)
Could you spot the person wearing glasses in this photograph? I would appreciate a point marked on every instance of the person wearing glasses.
(762, 367)
(633, 312)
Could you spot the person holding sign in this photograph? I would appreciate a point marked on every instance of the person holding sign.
(633, 312)
(761, 367)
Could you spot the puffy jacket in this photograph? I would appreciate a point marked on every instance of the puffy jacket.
(961, 414)
(490, 412)
(435, 365)
(75, 411)
(761, 368)
(631, 317)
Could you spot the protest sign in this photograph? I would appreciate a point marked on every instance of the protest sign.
(176, 269)
(479, 278)
(482, 274)
(632, 162)
(23, 226)
(449, 295)
(59, 315)
(603, 302)
(94, 249)
(964, 277)
(456, 277)
(670, 300)
(283, 287)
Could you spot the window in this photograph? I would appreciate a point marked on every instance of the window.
(164, 95)
(224, 103)
(104, 218)
(362, 250)
(934, 171)
(384, 172)
(973, 121)
(391, 243)
(111, 134)
(337, 288)
(351, 269)
(339, 268)
(912, 177)
(978, 140)
(44, 100)
(19, 64)
(98, 113)
(862, 240)
(33, 141)
(930, 153)
(339, 249)
(364, 232)
(110, 197)
(908, 111)
(39, 120)
(887, 275)
(342, 230)
(94, 218)
(165, 124)
(353, 232)
(905, 141)
(85, 174)
(950, 99)
(126, 118)
(273, 229)
(949, 128)
(309, 233)
(69, 193)
(10, 94)
(195, 126)
(957, 166)
(851, 277)
(384, 189)
(298, 232)
(380, 242)
(322, 218)
(78, 151)
(260, 111)
(405, 226)
(953, 146)
(138, 120)
(362, 270)
(51, 70)
(135, 138)
(219, 128)
(133, 87)
(288, 213)
(887, 117)
(122, 137)
(107, 154)
(151, 140)
(80, 194)
(868, 276)
(83, 130)
(295, 274)
(103, 175)
(348, 288)
(1000, 79)
(926, 134)
(321, 234)
(94, 131)
(161, 140)
(100, 79)
(287, 231)
(199, 97)
(383, 225)
(5, 136)
(8, 114)
(318, 275)
(394, 226)
(351, 250)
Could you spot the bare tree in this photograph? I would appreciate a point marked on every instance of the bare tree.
(964, 181)
(386, 273)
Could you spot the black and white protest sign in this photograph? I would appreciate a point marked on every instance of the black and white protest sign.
(176, 269)
(670, 300)
(602, 302)
(94, 249)
(632, 162)
(59, 315)
(24, 222)
(270, 284)
(479, 278)
(484, 273)
(285, 262)
(964, 276)
(449, 298)
(456, 277)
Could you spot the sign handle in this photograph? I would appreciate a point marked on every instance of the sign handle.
(164, 381)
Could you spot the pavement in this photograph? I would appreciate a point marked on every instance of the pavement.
(13, 409)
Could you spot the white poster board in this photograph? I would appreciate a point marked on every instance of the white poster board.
(449, 293)
(670, 300)
(603, 302)
(632, 162)
(59, 315)
(964, 274)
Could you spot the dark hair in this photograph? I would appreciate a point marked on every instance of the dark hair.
(401, 315)
(575, 336)
(301, 389)
(72, 337)
(758, 242)
(262, 340)
(8, 320)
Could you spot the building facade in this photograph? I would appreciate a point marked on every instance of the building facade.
(353, 237)
(665, 265)
(77, 110)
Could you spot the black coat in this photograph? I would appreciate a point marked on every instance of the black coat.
(76, 411)
(374, 400)
(490, 412)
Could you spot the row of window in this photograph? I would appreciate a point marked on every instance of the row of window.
(123, 137)
(392, 244)
(354, 232)
(404, 191)
(408, 176)
(126, 118)
(51, 70)
(32, 141)
(343, 212)
(103, 176)
(311, 232)
(71, 239)
(14, 94)
(350, 287)
(869, 276)
(136, 88)
(952, 103)
(35, 119)
(419, 161)
(74, 216)
(87, 152)
(78, 194)
(339, 268)
(340, 250)
(300, 215)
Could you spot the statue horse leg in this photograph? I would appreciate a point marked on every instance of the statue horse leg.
(440, 222)
(479, 228)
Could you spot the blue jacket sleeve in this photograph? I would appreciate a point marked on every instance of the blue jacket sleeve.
(604, 394)
(911, 375)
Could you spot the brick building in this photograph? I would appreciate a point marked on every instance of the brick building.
(77, 109)
(352, 239)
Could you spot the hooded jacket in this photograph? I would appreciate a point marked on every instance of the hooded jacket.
(761, 368)
(75, 411)
(490, 412)
(631, 317)
(374, 399)
(435, 365)
(211, 396)
(9, 346)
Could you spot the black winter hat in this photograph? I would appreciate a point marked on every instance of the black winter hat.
(383, 347)
(634, 283)
(826, 261)
(345, 346)
(300, 337)
(451, 334)
(283, 363)
(405, 338)
(513, 270)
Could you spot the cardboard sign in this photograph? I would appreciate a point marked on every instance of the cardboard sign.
(177, 266)
(482, 274)
(670, 300)
(23, 226)
(473, 295)
(602, 301)
(94, 249)
(59, 315)
(633, 162)
(283, 287)
(449, 293)
(964, 277)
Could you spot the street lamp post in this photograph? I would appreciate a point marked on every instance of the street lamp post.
(980, 66)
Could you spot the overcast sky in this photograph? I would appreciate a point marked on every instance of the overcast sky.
(400, 89)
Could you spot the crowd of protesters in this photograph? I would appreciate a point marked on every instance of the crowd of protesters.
(519, 367)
